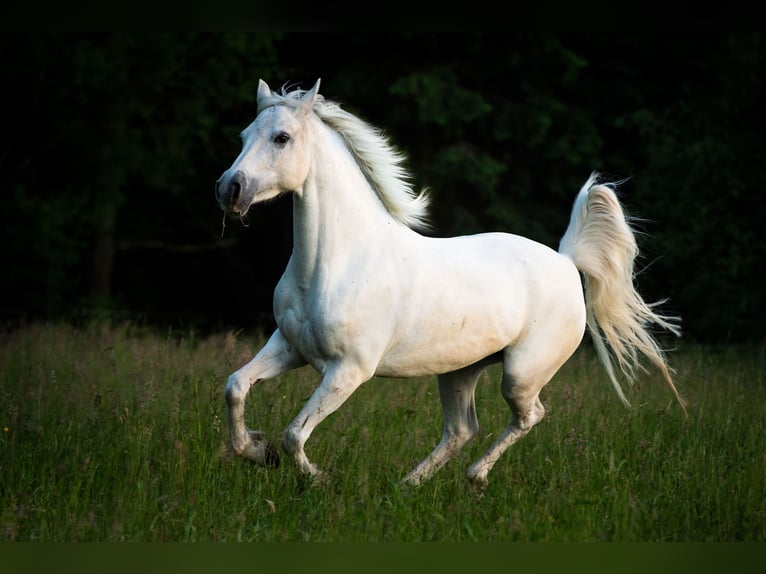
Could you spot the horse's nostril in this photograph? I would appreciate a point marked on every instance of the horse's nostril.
(235, 188)
(217, 189)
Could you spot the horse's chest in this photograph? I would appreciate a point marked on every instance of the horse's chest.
(322, 325)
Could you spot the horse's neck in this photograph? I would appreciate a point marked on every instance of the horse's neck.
(336, 214)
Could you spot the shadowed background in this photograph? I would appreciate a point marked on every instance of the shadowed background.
(112, 143)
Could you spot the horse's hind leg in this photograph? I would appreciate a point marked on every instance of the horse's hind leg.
(524, 376)
(276, 357)
(527, 412)
(456, 391)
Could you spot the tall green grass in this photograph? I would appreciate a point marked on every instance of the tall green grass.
(117, 433)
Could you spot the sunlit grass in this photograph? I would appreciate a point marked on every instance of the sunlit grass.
(117, 433)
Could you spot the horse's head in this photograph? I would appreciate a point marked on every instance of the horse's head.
(275, 156)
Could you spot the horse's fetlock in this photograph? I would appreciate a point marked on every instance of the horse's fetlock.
(290, 441)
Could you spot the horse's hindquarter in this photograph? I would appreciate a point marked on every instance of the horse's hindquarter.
(472, 296)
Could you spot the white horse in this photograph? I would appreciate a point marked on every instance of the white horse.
(364, 294)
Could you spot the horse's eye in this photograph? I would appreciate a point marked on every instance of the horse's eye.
(281, 138)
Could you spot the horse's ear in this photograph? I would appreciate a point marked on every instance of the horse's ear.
(264, 92)
(307, 101)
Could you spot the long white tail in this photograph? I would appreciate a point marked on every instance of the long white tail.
(602, 245)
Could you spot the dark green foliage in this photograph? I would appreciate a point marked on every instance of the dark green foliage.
(112, 143)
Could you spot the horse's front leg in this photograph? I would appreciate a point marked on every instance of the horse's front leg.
(338, 383)
(276, 357)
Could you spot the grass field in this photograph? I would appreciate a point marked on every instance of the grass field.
(117, 433)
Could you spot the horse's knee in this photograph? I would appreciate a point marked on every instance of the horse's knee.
(233, 393)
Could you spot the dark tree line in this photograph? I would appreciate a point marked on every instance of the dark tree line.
(111, 144)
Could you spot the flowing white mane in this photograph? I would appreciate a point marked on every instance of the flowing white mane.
(380, 162)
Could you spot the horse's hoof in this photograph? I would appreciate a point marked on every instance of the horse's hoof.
(409, 484)
(321, 478)
(261, 451)
(477, 485)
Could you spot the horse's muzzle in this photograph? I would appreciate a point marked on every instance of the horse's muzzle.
(228, 191)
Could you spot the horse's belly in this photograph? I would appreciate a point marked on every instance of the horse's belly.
(442, 341)
(438, 356)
